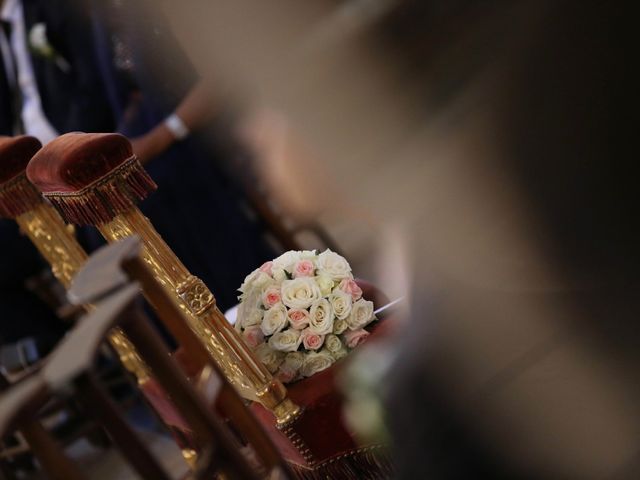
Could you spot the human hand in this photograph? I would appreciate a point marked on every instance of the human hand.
(148, 146)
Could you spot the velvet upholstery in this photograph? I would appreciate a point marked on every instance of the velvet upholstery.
(15, 153)
(17, 195)
(75, 160)
(90, 177)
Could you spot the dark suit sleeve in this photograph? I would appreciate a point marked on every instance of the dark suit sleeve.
(86, 107)
(6, 120)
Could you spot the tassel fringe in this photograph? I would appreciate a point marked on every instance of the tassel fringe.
(370, 463)
(103, 199)
(18, 196)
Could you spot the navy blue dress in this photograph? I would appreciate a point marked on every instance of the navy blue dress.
(196, 209)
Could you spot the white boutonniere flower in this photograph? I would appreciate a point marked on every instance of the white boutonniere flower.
(39, 45)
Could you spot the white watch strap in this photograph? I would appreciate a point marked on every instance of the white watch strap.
(177, 127)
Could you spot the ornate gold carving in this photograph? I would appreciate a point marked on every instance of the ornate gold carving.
(49, 234)
(196, 295)
(196, 301)
(55, 241)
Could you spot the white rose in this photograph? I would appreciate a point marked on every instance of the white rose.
(256, 280)
(300, 292)
(361, 314)
(340, 325)
(286, 261)
(321, 317)
(269, 357)
(286, 341)
(341, 303)
(275, 319)
(334, 265)
(38, 37)
(325, 283)
(248, 311)
(315, 362)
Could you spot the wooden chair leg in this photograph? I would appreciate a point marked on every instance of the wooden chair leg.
(231, 401)
(124, 437)
(205, 426)
(50, 455)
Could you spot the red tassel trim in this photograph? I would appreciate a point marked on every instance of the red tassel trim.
(99, 202)
(18, 196)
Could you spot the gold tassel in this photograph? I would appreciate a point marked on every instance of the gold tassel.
(105, 198)
(18, 196)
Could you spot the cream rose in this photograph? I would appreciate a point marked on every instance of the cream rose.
(253, 336)
(269, 357)
(300, 292)
(350, 286)
(279, 275)
(333, 343)
(340, 325)
(353, 338)
(325, 283)
(311, 340)
(286, 341)
(294, 360)
(321, 317)
(275, 319)
(334, 265)
(341, 304)
(315, 362)
(271, 296)
(339, 354)
(298, 318)
(290, 367)
(361, 314)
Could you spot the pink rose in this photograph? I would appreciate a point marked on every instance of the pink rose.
(311, 340)
(350, 286)
(271, 296)
(253, 336)
(298, 318)
(285, 374)
(353, 338)
(266, 268)
(304, 268)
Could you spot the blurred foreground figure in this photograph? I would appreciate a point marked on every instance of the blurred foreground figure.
(491, 136)
(521, 360)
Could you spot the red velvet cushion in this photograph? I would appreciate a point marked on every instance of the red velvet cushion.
(15, 153)
(75, 160)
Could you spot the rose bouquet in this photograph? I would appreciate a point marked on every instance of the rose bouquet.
(302, 312)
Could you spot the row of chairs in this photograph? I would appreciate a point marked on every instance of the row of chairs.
(236, 447)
